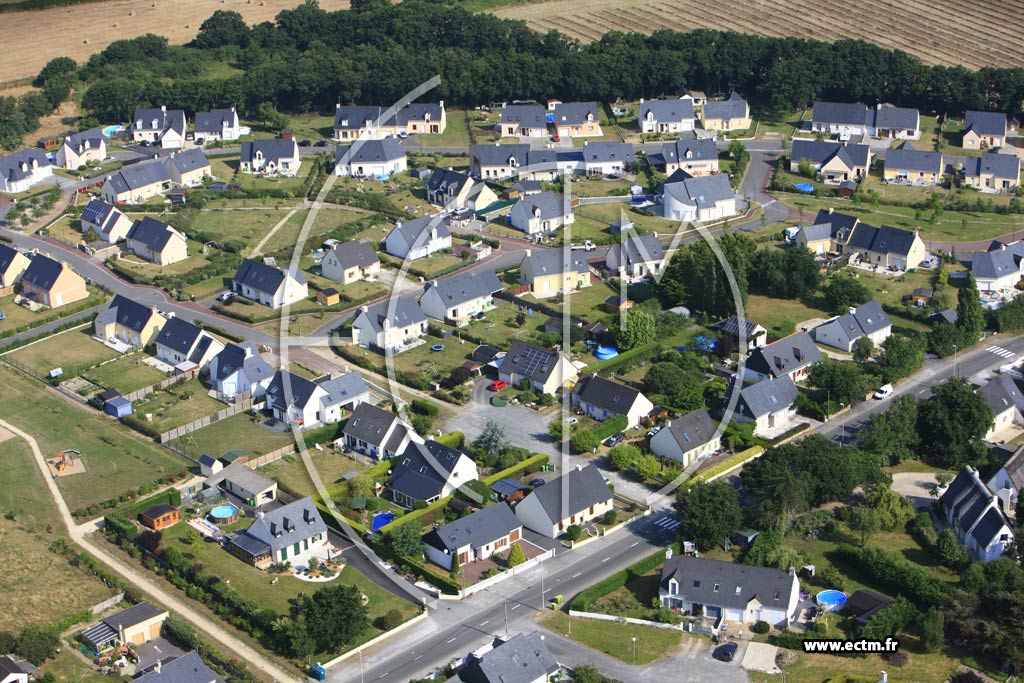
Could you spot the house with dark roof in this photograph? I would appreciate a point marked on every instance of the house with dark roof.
(840, 118)
(24, 169)
(348, 262)
(695, 157)
(189, 168)
(635, 258)
(1007, 404)
(188, 668)
(163, 125)
(459, 298)
(992, 172)
(973, 512)
(292, 533)
(308, 403)
(548, 272)
(836, 162)
(217, 124)
(497, 161)
(601, 398)
(370, 159)
(51, 283)
(756, 335)
(905, 164)
(270, 286)
(687, 438)
(475, 537)
(577, 119)
(377, 123)
(278, 157)
(12, 264)
(1000, 268)
(453, 190)
(240, 369)
(548, 371)
(128, 322)
(686, 198)
(541, 213)
(523, 121)
(136, 183)
(357, 122)
(728, 591)
(577, 497)
(105, 221)
(791, 356)
(666, 116)
(377, 433)
(886, 248)
(156, 242)
(428, 472)
(135, 625)
(12, 671)
(730, 114)
(768, 404)
(842, 332)
(81, 148)
(607, 158)
(522, 659)
(984, 129)
(243, 482)
(1008, 481)
(179, 342)
(389, 327)
(418, 238)
(889, 122)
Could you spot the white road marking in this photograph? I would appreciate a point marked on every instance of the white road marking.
(576, 574)
(484, 623)
(452, 640)
(417, 657)
(605, 559)
(515, 607)
(635, 544)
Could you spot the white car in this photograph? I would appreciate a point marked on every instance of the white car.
(884, 392)
(572, 420)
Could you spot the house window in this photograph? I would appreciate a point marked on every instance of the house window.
(716, 587)
(696, 584)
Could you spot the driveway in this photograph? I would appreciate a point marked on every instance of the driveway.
(917, 486)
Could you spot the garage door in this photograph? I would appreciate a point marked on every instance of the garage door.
(712, 611)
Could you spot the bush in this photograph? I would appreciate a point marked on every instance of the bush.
(391, 619)
(897, 575)
(761, 627)
(574, 532)
(584, 441)
(424, 407)
(669, 616)
(610, 517)
(516, 556)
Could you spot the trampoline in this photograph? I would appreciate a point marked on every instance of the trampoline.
(831, 600)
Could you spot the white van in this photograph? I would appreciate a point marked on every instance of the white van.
(884, 392)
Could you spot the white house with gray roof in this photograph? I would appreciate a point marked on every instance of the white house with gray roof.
(687, 438)
(293, 533)
(907, 164)
(498, 162)
(547, 370)
(136, 183)
(180, 343)
(453, 190)
(377, 433)
(541, 213)
(1000, 268)
(1008, 481)
(685, 198)
(607, 158)
(389, 327)
(695, 157)
(973, 512)
(348, 262)
(188, 668)
(1004, 398)
(578, 497)
(601, 398)
(522, 659)
(218, 124)
(790, 356)
(666, 116)
(24, 169)
(163, 125)
(842, 332)
(844, 119)
(457, 299)
(418, 238)
(836, 162)
(890, 122)
(270, 286)
(240, 369)
(768, 404)
(308, 403)
(756, 334)
(106, 222)
(243, 482)
(475, 537)
(523, 121)
(429, 471)
(635, 259)
(270, 157)
(82, 148)
(370, 159)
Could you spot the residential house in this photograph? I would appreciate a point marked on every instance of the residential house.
(105, 221)
(791, 357)
(82, 148)
(52, 283)
(218, 124)
(547, 165)
(240, 369)
(576, 498)
(418, 238)
(702, 199)
(180, 342)
(270, 157)
(906, 164)
(607, 158)
(1000, 269)
(895, 123)
(601, 398)
(984, 129)
(370, 159)
(1004, 398)
(546, 370)
(389, 327)
(696, 97)
(348, 262)
(357, 123)
(455, 191)
(522, 659)
(1008, 481)
(842, 332)
(577, 119)
(243, 482)
(992, 172)
(973, 512)
(12, 264)
(732, 592)
(687, 438)
(189, 168)
(128, 322)
(541, 213)
(459, 298)
(552, 271)
(159, 516)
(24, 169)
(421, 118)
(885, 247)
(635, 259)
(292, 533)
(299, 401)
(523, 121)
(188, 668)
(835, 162)
(163, 126)
(270, 286)
(157, 242)
(498, 162)
(135, 625)
(428, 472)
(377, 433)
(376, 123)
(695, 157)
(840, 118)
(475, 537)
(136, 183)
(730, 114)
(755, 334)
(818, 239)
(666, 116)
(11, 671)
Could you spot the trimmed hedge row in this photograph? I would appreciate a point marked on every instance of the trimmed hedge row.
(589, 596)
(898, 575)
(531, 464)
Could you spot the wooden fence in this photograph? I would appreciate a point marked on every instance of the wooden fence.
(163, 384)
(222, 414)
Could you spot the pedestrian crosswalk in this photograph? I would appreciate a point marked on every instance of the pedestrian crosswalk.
(667, 523)
(1000, 351)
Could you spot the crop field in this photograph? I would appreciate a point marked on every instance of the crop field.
(974, 34)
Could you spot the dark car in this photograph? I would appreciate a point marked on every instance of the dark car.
(614, 440)
(536, 482)
(305, 143)
(321, 143)
(726, 652)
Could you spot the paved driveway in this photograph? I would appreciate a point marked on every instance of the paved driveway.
(917, 486)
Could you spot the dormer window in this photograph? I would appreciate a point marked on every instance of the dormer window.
(696, 583)
(739, 590)
(716, 587)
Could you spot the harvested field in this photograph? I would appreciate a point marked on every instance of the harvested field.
(95, 25)
(974, 34)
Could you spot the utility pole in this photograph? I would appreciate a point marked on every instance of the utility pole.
(361, 666)
(506, 619)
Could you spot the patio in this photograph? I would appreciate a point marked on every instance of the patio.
(475, 571)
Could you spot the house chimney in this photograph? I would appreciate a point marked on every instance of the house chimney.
(641, 100)
(364, 309)
(440, 103)
(529, 252)
(433, 283)
(163, 107)
(883, 677)
(668, 554)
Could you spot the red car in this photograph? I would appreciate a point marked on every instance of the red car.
(556, 138)
(498, 385)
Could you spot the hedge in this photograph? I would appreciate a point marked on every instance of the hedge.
(583, 601)
(731, 461)
(531, 464)
(452, 440)
(896, 574)
(609, 427)
(213, 329)
(171, 497)
(121, 525)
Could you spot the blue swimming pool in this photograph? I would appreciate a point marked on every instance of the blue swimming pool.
(381, 519)
(224, 514)
(831, 600)
(606, 352)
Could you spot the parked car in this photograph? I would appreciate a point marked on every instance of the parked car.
(726, 652)
(226, 297)
(200, 141)
(305, 143)
(884, 392)
(653, 431)
(614, 440)
(321, 143)
(536, 482)
(573, 420)
(3, 316)
(497, 385)
(556, 138)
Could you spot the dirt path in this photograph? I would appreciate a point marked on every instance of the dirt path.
(211, 630)
(258, 249)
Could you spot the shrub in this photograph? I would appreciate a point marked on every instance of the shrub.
(898, 659)
(669, 616)
(424, 407)
(574, 532)
(610, 517)
(761, 627)
(391, 619)
(584, 441)
(516, 556)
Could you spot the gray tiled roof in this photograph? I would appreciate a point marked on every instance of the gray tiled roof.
(816, 233)
(235, 357)
(727, 584)
(1001, 393)
(369, 151)
(693, 429)
(447, 181)
(634, 250)
(548, 261)
(985, 122)
(301, 390)
(137, 176)
(344, 389)
(127, 313)
(355, 253)
(159, 120)
(766, 396)
(607, 151)
(273, 150)
(612, 396)
(188, 668)
(733, 108)
(42, 272)
(840, 113)
(136, 614)
(698, 191)
(785, 355)
(355, 117)
(406, 312)
(584, 487)
(551, 205)
(288, 525)
(7, 255)
(214, 121)
(524, 115)
(369, 423)
(189, 160)
(153, 233)
(500, 155)
(844, 329)
(906, 158)
(887, 117)
(179, 335)
(819, 152)
(242, 476)
(842, 223)
(575, 113)
(478, 529)
(883, 240)
(523, 659)
(667, 110)
(261, 277)
(85, 140)
(412, 231)
(416, 476)
(999, 165)
(18, 166)
(680, 151)
(466, 287)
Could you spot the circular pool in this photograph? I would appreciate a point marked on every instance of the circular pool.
(224, 514)
(606, 352)
(831, 600)
(437, 348)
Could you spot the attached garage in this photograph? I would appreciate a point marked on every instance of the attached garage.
(138, 624)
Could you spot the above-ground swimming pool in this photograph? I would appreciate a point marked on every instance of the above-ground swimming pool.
(224, 514)
(831, 600)
(606, 352)
(381, 519)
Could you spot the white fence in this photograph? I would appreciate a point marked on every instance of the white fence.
(507, 574)
(108, 603)
(685, 626)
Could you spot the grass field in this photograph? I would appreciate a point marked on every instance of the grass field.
(615, 639)
(115, 458)
(326, 221)
(126, 374)
(236, 432)
(73, 351)
(68, 668)
(17, 316)
(291, 473)
(246, 226)
(456, 131)
(23, 493)
(178, 404)
(777, 313)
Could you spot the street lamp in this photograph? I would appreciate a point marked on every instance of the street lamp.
(360, 666)
(634, 650)
(954, 361)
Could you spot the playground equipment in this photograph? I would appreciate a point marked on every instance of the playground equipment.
(66, 458)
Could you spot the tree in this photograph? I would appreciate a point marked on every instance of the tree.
(404, 541)
(583, 441)
(696, 279)
(623, 455)
(55, 68)
(901, 356)
(947, 549)
(843, 291)
(863, 348)
(943, 338)
(647, 466)
(588, 674)
(864, 520)
(610, 517)
(970, 319)
(360, 486)
(639, 329)
(709, 512)
(491, 439)
(892, 509)
(558, 427)
(952, 424)
(520, 319)
(893, 434)
(270, 116)
(933, 630)
(459, 376)
(333, 616)
(36, 644)
(574, 532)
(789, 274)
(516, 556)
(224, 27)
(844, 381)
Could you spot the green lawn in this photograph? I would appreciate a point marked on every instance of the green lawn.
(23, 493)
(178, 405)
(19, 316)
(240, 432)
(325, 222)
(246, 227)
(146, 269)
(434, 365)
(587, 303)
(456, 131)
(74, 351)
(606, 213)
(431, 266)
(126, 374)
(615, 639)
(312, 127)
(65, 230)
(68, 668)
(599, 187)
(116, 460)
(226, 168)
(291, 473)
(777, 314)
